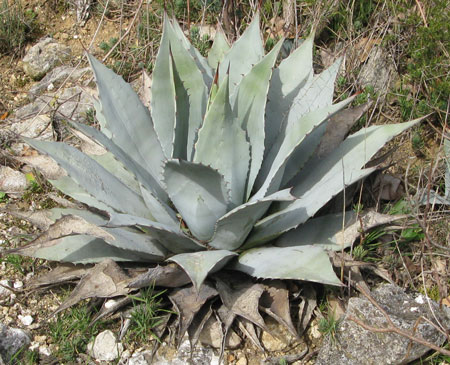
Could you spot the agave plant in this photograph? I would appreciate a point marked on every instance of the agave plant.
(225, 168)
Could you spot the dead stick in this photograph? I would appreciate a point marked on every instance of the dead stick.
(126, 32)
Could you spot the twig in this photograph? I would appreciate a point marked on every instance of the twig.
(391, 328)
(422, 14)
(126, 32)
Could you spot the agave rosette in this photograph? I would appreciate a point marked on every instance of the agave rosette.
(221, 170)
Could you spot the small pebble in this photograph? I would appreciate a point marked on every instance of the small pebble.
(26, 320)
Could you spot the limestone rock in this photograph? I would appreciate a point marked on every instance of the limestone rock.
(140, 358)
(44, 56)
(11, 341)
(105, 347)
(379, 71)
(12, 181)
(200, 355)
(39, 127)
(355, 345)
(55, 78)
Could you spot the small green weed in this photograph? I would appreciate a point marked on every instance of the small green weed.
(413, 233)
(366, 251)
(90, 117)
(351, 16)
(31, 357)
(3, 197)
(203, 44)
(437, 358)
(146, 314)
(17, 26)
(328, 326)
(400, 207)
(72, 331)
(15, 261)
(106, 46)
(359, 253)
(283, 361)
(426, 59)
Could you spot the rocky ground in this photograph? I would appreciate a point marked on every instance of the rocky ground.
(45, 82)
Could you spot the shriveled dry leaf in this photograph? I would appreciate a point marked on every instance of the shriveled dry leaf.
(109, 308)
(104, 280)
(187, 302)
(248, 329)
(65, 226)
(275, 302)
(369, 220)
(226, 318)
(338, 127)
(241, 297)
(388, 187)
(61, 274)
(326, 231)
(198, 323)
(40, 218)
(170, 276)
(306, 308)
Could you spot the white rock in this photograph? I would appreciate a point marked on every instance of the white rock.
(25, 320)
(12, 181)
(34, 346)
(140, 358)
(18, 284)
(44, 56)
(39, 127)
(105, 347)
(44, 350)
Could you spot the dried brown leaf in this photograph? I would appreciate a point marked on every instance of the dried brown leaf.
(65, 226)
(275, 302)
(248, 329)
(104, 280)
(170, 276)
(338, 127)
(306, 308)
(241, 297)
(388, 187)
(38, 218)
(61, 274)
(187, 302)
(198, 323)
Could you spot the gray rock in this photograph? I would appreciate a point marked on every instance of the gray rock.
(73, 104)
(199, 356)
(379, 71)
(11, 341)
(40, 118)
(355, 345)
(12, 181)
(105, 347)
(39, 127)
(55, 78)
(140, 358)
(44, 56)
